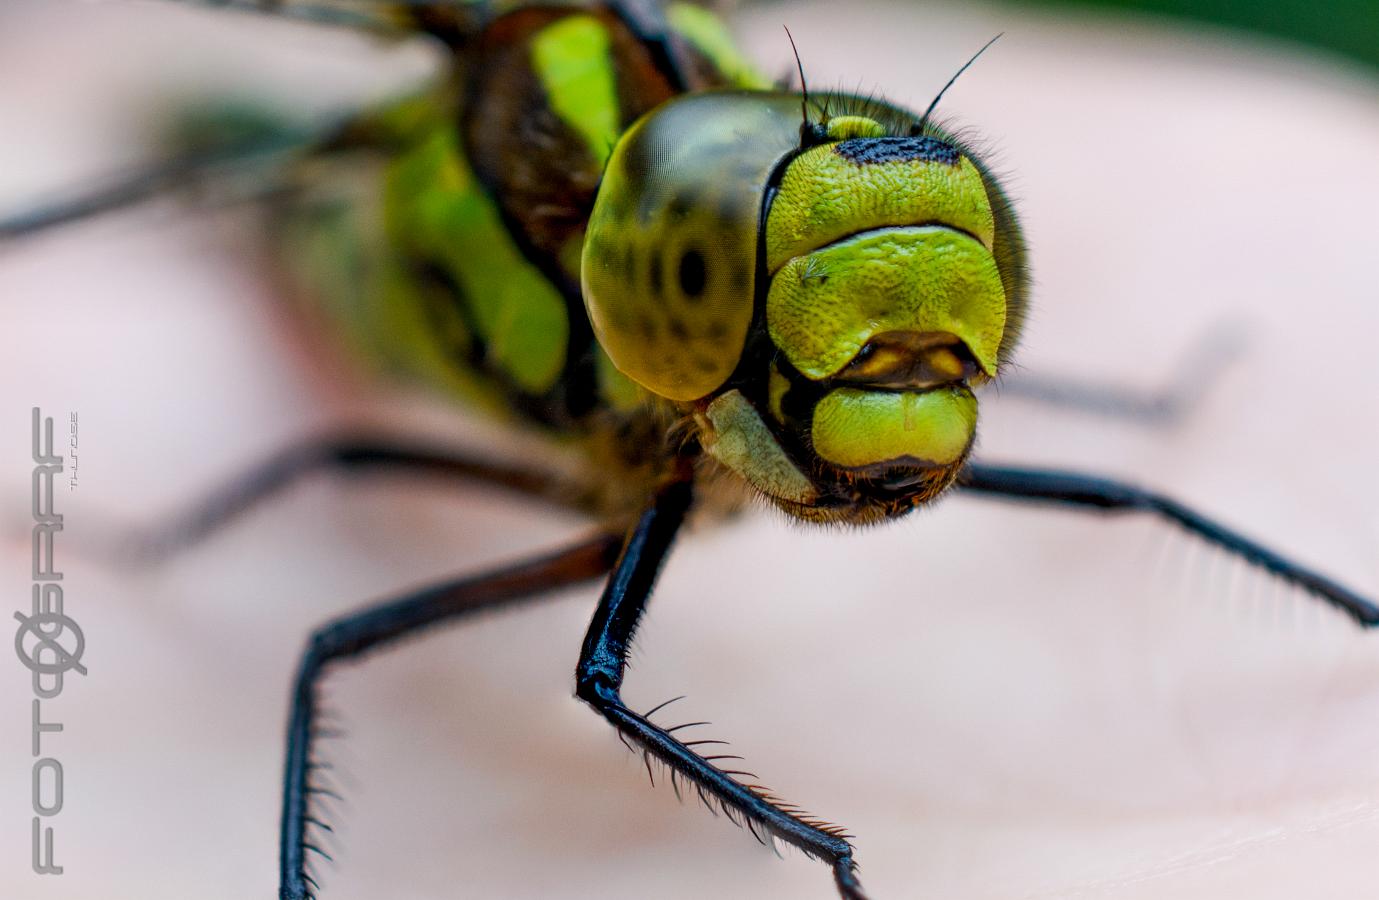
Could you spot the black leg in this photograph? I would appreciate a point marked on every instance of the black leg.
(1075, 489)
(227, 163)
(135, 187)
(384, 16)
(359, 632)
(231, 163)
(344, 453)
(1193, 377)
(599, 677)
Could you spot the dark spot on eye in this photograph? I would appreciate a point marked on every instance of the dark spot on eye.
(717, 330)
(654, 276)
(693, 275)
(647, 326)
(704, 364)
(680, 205)
(872, 151)
(678, 330)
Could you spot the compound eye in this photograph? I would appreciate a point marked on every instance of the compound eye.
(669, 258)
(670, 297)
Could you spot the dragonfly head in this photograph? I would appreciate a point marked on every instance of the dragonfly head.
(888, 304)
(887, 283)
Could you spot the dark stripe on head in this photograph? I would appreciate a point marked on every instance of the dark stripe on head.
(868, 151)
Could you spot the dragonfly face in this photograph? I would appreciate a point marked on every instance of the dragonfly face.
(825, 297)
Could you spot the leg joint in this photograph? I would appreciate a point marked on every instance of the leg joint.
(597, 688)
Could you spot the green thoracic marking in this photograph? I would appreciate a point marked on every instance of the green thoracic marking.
(436, 209)
(572, 60)
(410, 118)
(865, 428)
(383, 314)
(706, 32)
(621, 392)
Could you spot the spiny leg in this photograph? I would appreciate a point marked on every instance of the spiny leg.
(366, 630)
(599, 677)
(1077, 489)
(232, 160)
(252, 165)
(353, 454)
(388, 17)
(1201, 365)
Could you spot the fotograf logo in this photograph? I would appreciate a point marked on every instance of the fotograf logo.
(48, 642)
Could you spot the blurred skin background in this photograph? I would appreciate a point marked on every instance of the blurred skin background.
(998, 701)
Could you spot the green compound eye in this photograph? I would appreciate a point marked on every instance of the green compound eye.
(669, 258)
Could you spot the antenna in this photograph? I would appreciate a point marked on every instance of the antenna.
(804, 88)
(918, 127)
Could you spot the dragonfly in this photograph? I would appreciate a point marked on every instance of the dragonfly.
(909, 365)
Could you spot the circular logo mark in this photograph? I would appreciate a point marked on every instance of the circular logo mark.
(46, 654)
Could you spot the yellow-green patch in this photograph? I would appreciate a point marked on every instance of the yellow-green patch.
(855, 429)
(822, 308)
(707, 33)
(572, 60)
(380, 313)
(436, 208)
(824, 196)
(738, 439)
(622, 393)
(841, 128)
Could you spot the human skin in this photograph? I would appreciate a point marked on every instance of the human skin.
(998, 701)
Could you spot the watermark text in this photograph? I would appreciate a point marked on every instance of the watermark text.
(48, 642)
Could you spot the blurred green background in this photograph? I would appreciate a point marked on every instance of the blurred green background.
(1347, 27)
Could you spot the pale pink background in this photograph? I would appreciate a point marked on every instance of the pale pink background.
(1040, 704)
